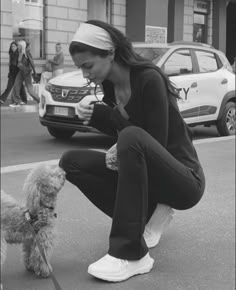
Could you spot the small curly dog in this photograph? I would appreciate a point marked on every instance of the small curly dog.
(41, 188)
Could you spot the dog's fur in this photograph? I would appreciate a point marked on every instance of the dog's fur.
(41, 188)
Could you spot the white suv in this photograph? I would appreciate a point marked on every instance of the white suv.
(202, 74)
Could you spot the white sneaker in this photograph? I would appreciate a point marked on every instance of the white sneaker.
(159, 221)
(113, 269)
(14, 105)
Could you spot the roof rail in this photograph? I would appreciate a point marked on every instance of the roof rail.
(182, 42)
(145, 44)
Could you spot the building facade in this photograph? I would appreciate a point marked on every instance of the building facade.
(43, 23)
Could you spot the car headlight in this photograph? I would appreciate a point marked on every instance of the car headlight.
(42, 101)
(48, 87)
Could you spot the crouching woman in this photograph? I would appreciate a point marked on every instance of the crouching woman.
(158, 167)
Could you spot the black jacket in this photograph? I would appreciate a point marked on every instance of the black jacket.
(13, 61)
(151, 108)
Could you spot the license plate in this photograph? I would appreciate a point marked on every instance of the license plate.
(61, 111)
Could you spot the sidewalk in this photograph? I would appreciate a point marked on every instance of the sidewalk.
(31, 106)
(196, 252)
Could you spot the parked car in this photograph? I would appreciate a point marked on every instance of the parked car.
(202, 74)
(58, 100)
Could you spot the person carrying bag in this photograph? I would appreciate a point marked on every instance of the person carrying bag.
(26, 66)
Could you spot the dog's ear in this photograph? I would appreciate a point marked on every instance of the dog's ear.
(31, 190)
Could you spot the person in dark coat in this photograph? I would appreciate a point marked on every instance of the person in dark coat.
(13, 70)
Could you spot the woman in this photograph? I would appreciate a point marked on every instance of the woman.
(158, 167)
(26, 66)
(13, 70)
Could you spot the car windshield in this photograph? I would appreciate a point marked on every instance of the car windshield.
(154, 54)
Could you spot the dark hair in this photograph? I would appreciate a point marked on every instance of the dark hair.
(10, 51)
(124, 52)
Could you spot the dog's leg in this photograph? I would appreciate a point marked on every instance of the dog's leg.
(27, 249)
(45, 238)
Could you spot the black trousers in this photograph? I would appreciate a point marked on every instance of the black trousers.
(148, 174)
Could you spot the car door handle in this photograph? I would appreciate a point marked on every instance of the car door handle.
(194, 85)
(224, 81)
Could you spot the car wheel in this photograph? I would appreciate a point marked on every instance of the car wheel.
(60, 133)
(226, 125)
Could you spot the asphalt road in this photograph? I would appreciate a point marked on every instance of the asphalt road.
(25, 140)
(197, 252)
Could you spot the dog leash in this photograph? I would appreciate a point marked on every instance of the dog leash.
(54, 280)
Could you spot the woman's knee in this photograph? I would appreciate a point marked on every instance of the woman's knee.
(131, 136)
(82, 160)
(66, 160)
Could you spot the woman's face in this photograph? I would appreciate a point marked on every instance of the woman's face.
(13, 47)
(94, 67)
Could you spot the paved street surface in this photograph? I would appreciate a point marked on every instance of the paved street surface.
(197, 252)
(25, 140)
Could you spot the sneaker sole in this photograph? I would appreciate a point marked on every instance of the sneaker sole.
(143, 269)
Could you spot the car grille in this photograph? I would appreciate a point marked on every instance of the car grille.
(69, 95)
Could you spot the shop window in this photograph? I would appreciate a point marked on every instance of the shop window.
(100, 10)
(199, 28)
(28, 24)
(207, 61)
(200, 16)
(179, 63)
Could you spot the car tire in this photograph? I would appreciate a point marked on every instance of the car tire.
(226, 124)
(59, 133)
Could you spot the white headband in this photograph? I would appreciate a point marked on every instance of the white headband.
(94, 36)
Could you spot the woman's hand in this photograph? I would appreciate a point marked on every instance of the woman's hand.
(85, 112)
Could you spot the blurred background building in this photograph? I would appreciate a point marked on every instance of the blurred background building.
(42, 23)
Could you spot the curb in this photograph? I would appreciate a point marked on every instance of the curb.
(23, 108)
(213, 140)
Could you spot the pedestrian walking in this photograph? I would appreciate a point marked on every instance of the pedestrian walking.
(54, 66)
(13, 70)
(26, 66)
(158, 169)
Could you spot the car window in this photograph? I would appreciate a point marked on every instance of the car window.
(224, 61)
(154, 54)
(206, 60)
(179, 63)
